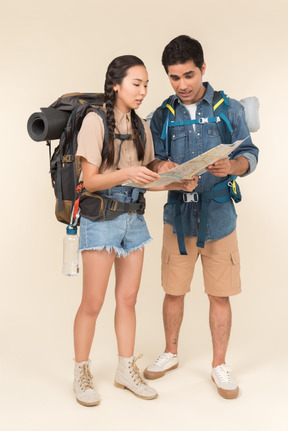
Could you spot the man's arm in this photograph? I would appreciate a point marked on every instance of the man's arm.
(247, 150)
(224, 167)
(244, 159)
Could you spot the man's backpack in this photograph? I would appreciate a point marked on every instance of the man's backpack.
(63, 119)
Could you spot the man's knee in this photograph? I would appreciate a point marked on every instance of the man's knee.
(174, 298)
(219, 300)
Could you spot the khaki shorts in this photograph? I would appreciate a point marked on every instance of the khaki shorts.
(220, 262)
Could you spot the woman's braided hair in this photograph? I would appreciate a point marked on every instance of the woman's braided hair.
(116, 72)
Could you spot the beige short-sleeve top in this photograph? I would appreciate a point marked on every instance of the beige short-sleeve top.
(91, 137)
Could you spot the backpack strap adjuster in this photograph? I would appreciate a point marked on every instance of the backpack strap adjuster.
(112, 205)
(68, 158)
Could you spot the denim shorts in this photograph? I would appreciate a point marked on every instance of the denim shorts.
(124, 234)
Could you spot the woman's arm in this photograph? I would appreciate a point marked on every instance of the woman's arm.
(94, 181)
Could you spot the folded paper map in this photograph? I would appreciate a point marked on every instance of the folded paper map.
(196, 166)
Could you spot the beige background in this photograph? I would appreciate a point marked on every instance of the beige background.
(49, 48)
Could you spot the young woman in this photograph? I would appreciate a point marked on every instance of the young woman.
(119, 241)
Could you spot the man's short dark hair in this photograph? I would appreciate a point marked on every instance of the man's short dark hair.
(182, 49)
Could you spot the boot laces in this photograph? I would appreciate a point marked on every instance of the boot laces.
(134, 370)
(85, 378)
(223, 372)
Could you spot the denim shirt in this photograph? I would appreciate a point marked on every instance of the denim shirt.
(185, 143)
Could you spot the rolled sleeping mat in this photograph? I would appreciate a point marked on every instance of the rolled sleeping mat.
(48, 124)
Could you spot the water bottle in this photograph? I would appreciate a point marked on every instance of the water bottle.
(70, 252)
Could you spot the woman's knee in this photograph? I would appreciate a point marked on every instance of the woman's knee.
(127, 300)
(91, 309)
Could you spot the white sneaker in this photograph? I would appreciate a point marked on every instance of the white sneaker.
(165, 362)
(83, 385)
(128, 377)
(226, 386)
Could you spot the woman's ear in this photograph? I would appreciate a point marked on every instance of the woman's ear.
(115, 87)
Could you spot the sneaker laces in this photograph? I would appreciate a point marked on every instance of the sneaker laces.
(223, 373)
(136, 372)
(85, 378)
(163, 358)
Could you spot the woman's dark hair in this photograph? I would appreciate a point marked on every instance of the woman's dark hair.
(116, 72)
(182, 49)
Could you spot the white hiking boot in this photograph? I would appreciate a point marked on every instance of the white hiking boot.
(83, 385)
(165, 362)
(226, 386)
(128, 377)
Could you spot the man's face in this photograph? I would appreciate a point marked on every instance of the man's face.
(186, 80)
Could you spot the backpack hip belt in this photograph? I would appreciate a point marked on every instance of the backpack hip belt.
(97, 207)
(221, 192)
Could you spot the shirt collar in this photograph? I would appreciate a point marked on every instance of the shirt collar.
(119, 116)
(209, 93)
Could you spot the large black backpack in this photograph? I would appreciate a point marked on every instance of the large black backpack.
(62, 120)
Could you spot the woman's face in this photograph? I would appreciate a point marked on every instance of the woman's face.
(132, 90)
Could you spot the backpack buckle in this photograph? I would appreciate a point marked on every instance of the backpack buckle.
(113, 205)
(203, 120)
(190, 197)
(68, 158)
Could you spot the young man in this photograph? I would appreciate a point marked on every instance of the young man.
(184, 64)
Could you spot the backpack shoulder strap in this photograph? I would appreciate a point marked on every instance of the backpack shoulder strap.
(169, 112)
(220, 109)
(102, 113)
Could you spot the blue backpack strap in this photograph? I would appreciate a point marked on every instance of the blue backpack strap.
(220, 108)
(169, 111)
(175, 197)
(221, 192)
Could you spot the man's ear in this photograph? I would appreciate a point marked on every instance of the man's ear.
(203, 68)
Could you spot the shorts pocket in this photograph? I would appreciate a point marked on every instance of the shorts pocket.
(235, 259)
(177, 272)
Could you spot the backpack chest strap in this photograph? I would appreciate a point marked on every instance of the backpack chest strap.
(195, 121)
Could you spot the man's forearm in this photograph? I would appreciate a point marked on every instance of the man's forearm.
(239, 166)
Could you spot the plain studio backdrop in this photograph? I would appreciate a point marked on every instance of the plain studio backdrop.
(51, 48)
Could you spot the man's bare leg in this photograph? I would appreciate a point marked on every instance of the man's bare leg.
(173, 310)
(220, 324)
(220, 319)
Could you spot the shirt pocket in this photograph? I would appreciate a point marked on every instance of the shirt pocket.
(214, 138)
(179, 138)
